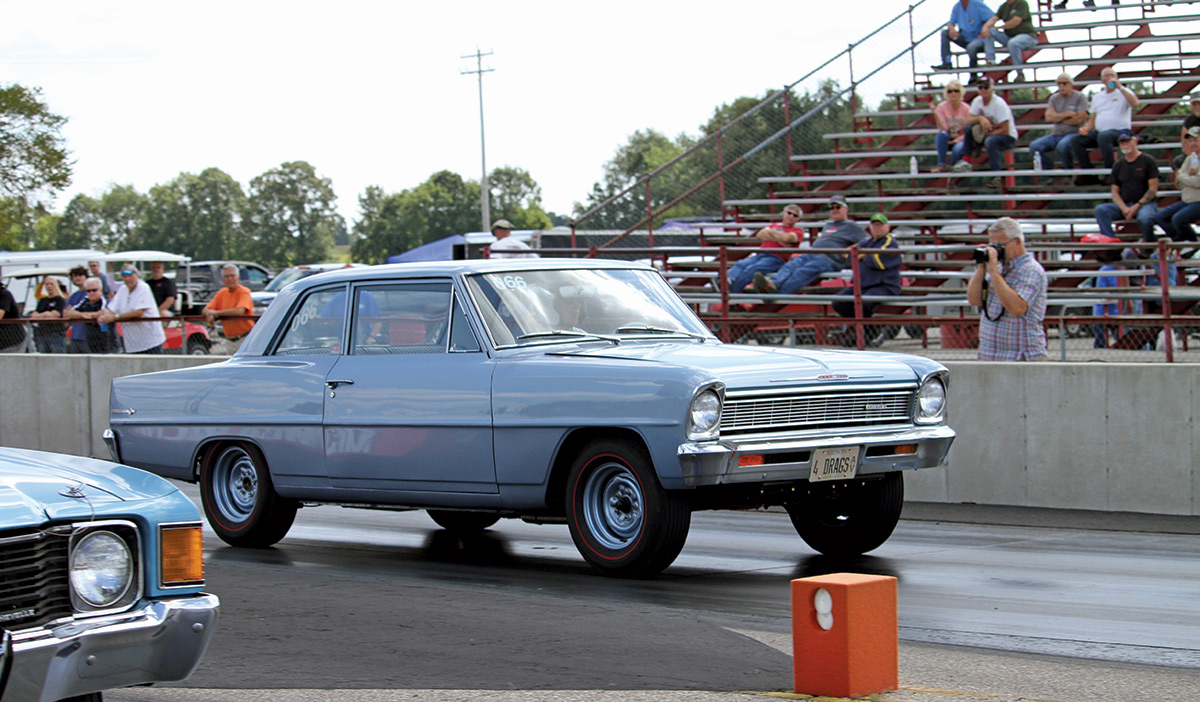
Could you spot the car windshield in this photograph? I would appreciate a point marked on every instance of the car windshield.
(287, 277)
(547, 306)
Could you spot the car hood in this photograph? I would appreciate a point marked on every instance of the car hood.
(746, 367)
(36, 486)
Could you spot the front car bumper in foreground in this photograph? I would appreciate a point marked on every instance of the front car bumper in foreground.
(160, 642)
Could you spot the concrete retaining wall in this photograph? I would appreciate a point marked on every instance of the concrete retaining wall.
(1095, 436)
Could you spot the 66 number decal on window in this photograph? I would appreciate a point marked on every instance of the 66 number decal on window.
(834, 463)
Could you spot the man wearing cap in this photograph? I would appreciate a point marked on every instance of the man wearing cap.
(991, 123)
(1110, 113)
(134, 307)
(878, 272)
(1134, 188)
(967, 20)
(783, 234)
(1068, 109)
(803, 269)
(1176, 220)
(1193, 118)
(506, 246)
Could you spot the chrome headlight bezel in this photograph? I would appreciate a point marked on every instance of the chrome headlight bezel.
(104, 567)
(929, 402)
(704, 413)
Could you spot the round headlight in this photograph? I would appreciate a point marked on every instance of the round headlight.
(931, 400)
(101, 568)
(705, 415)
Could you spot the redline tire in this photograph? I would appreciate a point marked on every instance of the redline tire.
(621, 519)
(239, 498)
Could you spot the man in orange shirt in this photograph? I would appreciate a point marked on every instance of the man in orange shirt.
(233, 300)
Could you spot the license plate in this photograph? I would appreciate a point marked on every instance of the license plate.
(834, 464)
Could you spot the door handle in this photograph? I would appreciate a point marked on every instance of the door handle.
(332, 385)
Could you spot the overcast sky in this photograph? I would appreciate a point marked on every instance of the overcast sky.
(370, 93)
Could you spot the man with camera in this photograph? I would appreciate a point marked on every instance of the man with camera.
(1010, 286)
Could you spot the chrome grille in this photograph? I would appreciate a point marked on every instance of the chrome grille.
(774, 413)
(33, 577)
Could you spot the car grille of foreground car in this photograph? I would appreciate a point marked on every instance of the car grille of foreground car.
(774, 412)
(33, 577)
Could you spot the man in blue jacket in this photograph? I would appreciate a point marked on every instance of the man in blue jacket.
(967, 20)
(878, 274)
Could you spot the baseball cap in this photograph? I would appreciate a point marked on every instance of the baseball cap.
(1194, 98)
(502, 224)
(1126, 135)
(983, 83)
(1194, 132)
(879, 217)
(840, 199)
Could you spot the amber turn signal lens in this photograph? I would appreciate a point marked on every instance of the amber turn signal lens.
(906, 448)
(752, 459)
(181, 552)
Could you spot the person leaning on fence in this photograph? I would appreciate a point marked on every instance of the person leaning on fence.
(951, 117)
(233, 300)
(1012, 292)
(1134, 189)
(77, 332)
(97, 337)
(133, 306)
(967, 19)
(163, 289)
(50, 334)
(991, 125)
(878, 272)
(780, 235)
(802, 269)
(1012, 27)
(1176, 220)
(1067, 110)
(1110, 114)
(12, 336)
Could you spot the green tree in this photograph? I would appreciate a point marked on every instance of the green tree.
(33, 157)
(379, 231)
(122, 212)
(198, 216)
(645, 151)
(443, 205)
(514, 195)
(290, 216)
(80, 224)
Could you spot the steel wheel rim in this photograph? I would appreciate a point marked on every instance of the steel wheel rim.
(235, 485)
(613, 506)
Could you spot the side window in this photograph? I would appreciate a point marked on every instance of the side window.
(316, 326)
(253, 276)
(462, 339)
(402, 319)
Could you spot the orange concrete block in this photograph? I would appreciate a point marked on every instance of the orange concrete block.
(845, 634)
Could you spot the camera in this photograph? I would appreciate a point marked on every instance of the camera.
(981, 254)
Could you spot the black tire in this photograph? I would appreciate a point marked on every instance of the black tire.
(197, 346)
(845, 519)
(239, 498)
(90, 697)
(622, 520)
(462, 522)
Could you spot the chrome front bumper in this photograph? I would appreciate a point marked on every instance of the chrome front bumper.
(161, 642)
(790, 458)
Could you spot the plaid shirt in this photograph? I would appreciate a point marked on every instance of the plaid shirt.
(1012, 338)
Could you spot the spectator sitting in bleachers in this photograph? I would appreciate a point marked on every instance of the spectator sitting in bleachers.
(776, 236)
(1110, 113)
(1176, 220)
(951, 117)
(1012, 27)
(997, 130)
(1193, 119)
(1134, 189)
(1068, 109)
(967, 20)
(803, 269)
(879, 273)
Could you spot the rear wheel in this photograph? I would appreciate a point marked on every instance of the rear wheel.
(239, 498)
(848, 518)
(622, 520)
(462, 522)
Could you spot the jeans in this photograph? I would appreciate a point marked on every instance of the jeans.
(1016, 44)
(1176, 220)
(845, 308)
(53, 343)
(943, 146)
(1106, 140)
(1062, 143)
(803, 270)
(1108, 213)
(972, 47)
(995, 146)
(151, 350)
(741, 273)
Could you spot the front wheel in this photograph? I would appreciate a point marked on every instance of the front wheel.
(621, 519)
(239, 498)
(844, 519)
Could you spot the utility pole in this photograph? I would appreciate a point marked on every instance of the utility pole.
(483, 182)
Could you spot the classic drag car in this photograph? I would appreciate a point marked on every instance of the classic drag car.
(576, 391)
(102, 577)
